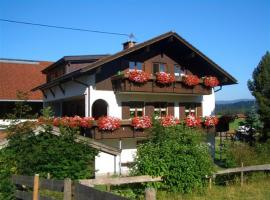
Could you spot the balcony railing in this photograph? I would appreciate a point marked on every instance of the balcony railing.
(121, 83)
(125, 131)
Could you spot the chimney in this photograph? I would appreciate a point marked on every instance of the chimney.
(128, 44)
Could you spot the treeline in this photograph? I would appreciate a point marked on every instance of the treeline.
(235, 108)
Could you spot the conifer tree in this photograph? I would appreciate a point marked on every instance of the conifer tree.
(260, 89)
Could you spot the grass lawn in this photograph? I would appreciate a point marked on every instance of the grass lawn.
(259, 190)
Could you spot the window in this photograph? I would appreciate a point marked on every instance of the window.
(159, 67)
(136, 109)
(160, 110)
(178, 70)
(190, 108)
(135, 65)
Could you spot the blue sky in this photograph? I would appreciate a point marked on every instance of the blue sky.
(233, 33)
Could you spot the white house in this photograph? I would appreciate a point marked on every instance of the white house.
(96, 85)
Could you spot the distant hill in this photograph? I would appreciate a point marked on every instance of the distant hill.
(234, 106)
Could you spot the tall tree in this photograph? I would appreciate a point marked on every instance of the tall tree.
(260, 89)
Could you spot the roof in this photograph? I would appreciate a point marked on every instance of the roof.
(66, 59)
(21, 75)
(107, 59)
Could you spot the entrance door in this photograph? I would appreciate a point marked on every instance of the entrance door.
(99, 108)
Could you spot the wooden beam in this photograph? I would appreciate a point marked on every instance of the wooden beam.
(119, 180)
(44, 94)
(79, 82)
(52, 92)
(62, 89)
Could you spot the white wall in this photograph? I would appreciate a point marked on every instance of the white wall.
(208, 104)
(105, 163)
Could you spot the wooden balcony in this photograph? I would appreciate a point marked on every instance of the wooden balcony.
(121, 83)
(125, 131)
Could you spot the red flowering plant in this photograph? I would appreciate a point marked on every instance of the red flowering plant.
(108, 123)
(86, 122)
(76, 121)
(141, 122)
(191, 80)
(138, 76)
(165, 78)
(210, 81)
(210, 121)
(169, 120)
(192, 121)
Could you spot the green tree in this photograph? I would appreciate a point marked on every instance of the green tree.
(21, 109)
(260, 89)
(178, 155)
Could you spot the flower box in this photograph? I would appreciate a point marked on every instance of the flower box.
(169, 120)
(192, 121)
(165, 78)
(143, 122)
(210, 81)
(108, 123)
(190, 80)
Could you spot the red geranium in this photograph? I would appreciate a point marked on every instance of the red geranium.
(86, 122)
(75, 121)
(192, 121)
(138, 76)
(141, 122)
(169, 120)
(108, 123)
(191, 80)
(210, 121)
(165, 78)
(210, 81)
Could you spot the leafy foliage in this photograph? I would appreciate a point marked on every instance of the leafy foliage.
(21, 109)
(178, 155)
(260, 89)
(237, 152)
(29, 153)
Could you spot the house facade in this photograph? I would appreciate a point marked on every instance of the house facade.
(98, 85)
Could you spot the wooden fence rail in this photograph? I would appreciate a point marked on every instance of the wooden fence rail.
(244, 169)
(119, 180)
(241, 170)
(28, 187)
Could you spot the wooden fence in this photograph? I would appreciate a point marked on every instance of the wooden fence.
(240, 170)
(29, 187)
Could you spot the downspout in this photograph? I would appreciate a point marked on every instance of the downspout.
(220, 88)
(120, 147)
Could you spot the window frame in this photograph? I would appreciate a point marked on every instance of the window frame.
(136, 106)
(166, 68)
(182, 70)
(160, 107)
(135, 65)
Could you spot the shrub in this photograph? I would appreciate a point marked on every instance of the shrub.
(178, 155)
(238, 152)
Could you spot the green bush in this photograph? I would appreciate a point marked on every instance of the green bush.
(238, 152)
(28, 153)
(177, 154)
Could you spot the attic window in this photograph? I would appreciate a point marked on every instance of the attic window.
(179, 70)
(159, 67)
(135, 65)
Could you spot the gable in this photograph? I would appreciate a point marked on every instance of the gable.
(177, 48)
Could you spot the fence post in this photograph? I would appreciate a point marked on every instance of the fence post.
(150, 194)
(242, 174)
(67, 189)
(210, 182)
(36, 187)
